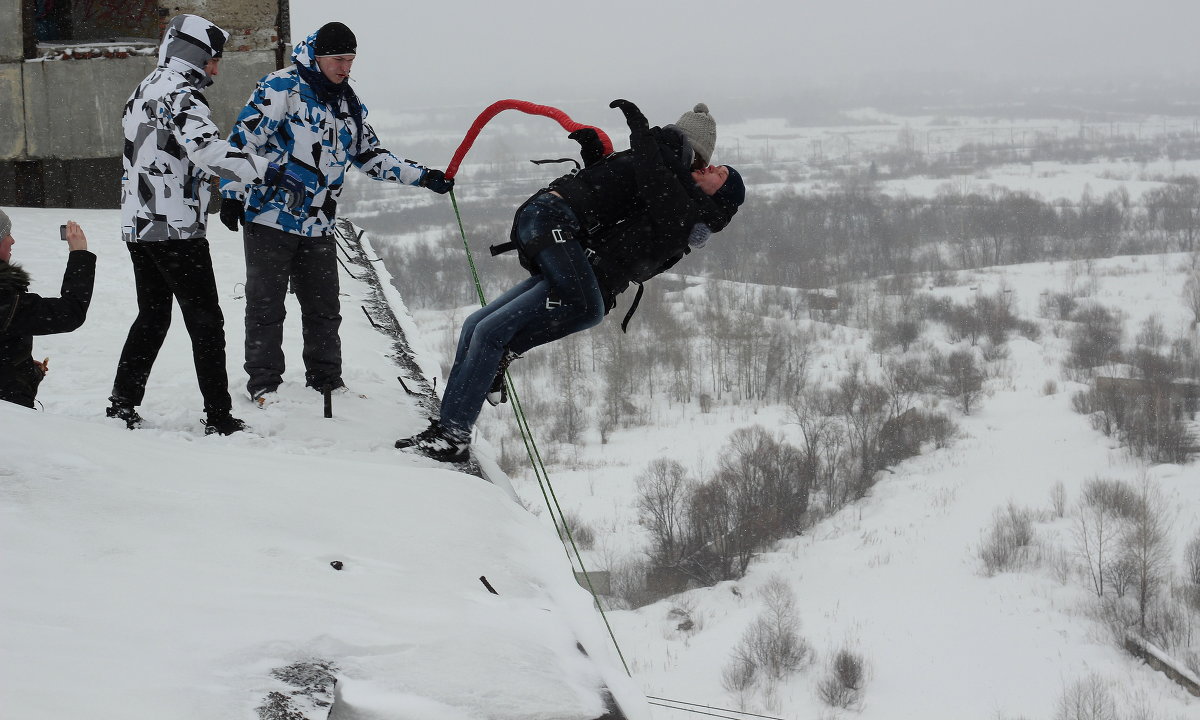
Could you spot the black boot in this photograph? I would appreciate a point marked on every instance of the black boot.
(222, 423)
(498, 392)
(124, 411)
(439, 443)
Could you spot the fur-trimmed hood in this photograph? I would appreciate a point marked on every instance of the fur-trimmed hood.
(13, 278)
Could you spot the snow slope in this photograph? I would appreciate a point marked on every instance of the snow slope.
(162, 573)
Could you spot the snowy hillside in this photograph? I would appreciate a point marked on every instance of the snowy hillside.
(897, 577)
(162, 573)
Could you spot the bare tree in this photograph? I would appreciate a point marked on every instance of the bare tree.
(1146, 545)
(1191, 561)
(1191, 297)
(963, 379)
(662, 496)
(1096, 531)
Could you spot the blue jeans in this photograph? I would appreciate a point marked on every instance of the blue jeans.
(564, 298)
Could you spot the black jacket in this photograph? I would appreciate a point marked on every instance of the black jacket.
(25, 314)
(654, 238)
(637, 207)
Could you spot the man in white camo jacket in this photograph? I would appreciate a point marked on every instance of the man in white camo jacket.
(172, 151)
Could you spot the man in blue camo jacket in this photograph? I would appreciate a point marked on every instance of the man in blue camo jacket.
(308, 119)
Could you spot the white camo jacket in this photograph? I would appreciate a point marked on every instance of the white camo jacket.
(172, 145)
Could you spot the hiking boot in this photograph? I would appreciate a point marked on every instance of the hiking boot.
(222, 423)
(439, 443)
(265, 397)
(498, 393)
(124, 412)
(337, 387)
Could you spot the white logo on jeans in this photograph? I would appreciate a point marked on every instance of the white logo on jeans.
(558, 235)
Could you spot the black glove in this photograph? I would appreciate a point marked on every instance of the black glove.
(633, 116)
(232, 214)
(436, 181)
(292, 186)
(590, 147)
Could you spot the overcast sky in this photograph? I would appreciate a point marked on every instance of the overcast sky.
(471, 52)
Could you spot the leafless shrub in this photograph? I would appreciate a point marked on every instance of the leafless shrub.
(1087, 699)
(1168, 624)
(1050, 387)
(1057, 306)
(1116, 496)
(1007, 543)
(1191, 297)
(1191, 660)
(1059, 562)
(574, 528)
(627, 584)
(845, 680)
(1120, 574)
(1058, 499)
(1096, 339)
(771, 648)
(738, 675)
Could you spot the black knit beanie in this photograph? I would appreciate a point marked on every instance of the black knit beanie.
(335, 39)
(733, 192)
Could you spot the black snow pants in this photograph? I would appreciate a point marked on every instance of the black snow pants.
(273, 257)
(179, 269)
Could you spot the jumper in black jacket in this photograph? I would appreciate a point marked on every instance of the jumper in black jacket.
(637, 207)
(24, 314)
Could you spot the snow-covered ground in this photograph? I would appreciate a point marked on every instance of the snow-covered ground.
(160, 573)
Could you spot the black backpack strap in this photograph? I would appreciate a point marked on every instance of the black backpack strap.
(632, 308)
(501, 248)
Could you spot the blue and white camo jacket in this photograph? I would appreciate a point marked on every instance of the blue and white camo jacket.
(285, 122)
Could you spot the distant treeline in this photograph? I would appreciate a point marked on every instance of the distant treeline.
(811, 240)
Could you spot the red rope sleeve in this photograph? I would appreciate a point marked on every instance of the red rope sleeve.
(528, 108)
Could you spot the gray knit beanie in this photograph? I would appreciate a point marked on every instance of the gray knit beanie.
(5, 225)
(701, 131)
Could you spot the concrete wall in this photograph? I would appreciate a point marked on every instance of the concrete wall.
(73, 107)
(12, 43)
(12, 112)
(60, 118)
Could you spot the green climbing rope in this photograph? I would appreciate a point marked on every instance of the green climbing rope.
(535, 456)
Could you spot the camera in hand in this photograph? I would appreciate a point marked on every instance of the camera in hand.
(62, 233)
